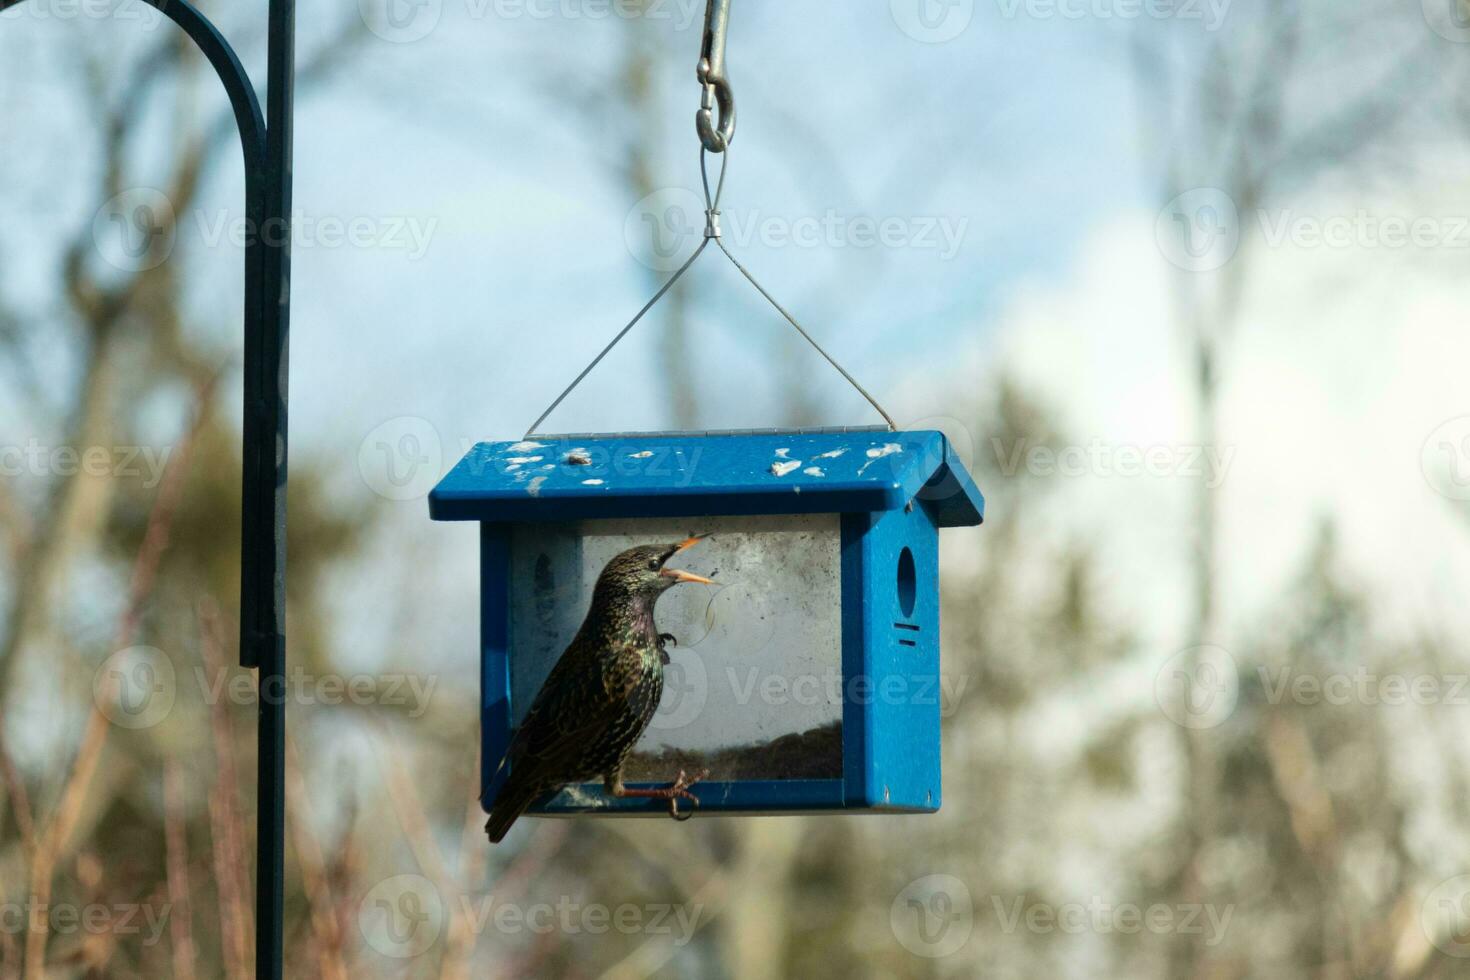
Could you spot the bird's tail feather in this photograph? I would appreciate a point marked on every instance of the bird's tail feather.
(509, 805)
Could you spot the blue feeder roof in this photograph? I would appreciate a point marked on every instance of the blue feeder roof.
(692, 475)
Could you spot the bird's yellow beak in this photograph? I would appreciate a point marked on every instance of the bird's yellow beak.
(679, 575)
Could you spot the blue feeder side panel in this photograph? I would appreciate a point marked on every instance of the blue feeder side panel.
(891, 718)
(494, 657)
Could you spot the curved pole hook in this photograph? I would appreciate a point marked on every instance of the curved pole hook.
(267, 152)
(257, 620)
(226, 64)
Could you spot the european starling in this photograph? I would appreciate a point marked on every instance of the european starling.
(601, 695)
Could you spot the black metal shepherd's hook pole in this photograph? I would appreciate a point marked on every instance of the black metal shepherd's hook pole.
(266, 142)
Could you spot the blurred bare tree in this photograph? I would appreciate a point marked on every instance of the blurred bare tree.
(1298, 821)
(100, 561)
(1239, 120)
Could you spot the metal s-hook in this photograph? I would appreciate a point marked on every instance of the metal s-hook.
(716, 137)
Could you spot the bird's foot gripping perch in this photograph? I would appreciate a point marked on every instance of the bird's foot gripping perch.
(674, 792)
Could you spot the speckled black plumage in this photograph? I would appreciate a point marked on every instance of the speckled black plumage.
(602, 693)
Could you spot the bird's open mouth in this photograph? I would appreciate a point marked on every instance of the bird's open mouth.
(678, 575)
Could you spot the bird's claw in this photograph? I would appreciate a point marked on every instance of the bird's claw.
(668, 638)
(679, 790)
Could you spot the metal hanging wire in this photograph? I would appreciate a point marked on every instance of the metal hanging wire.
(715, 137)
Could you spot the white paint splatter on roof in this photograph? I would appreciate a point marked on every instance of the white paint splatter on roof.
(878, 452)
(534, 489)
(781, 469)
(525, 447)
(814, 471)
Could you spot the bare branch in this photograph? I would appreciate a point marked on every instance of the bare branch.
(324, 922)
(20, 804)
(53, 838)
(176, 856)
(226, 825)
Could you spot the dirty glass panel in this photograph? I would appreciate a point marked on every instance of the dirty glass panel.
(753, 689)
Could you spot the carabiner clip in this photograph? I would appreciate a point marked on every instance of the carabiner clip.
(716, 137)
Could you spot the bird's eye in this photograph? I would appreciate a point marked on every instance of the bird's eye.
(653, 565)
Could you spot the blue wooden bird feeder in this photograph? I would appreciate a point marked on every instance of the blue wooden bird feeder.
(807, 679)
